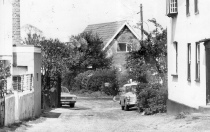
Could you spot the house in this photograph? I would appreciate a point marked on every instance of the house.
(118, 39)
(20, 98)
(188, 55)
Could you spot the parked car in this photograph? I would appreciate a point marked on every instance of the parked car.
(128, 96)
(67, 98)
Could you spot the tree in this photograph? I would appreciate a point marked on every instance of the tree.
(4, 74)
(151, 59)
(54, 54)
(32, 35)
(85, 53)
(92, 54)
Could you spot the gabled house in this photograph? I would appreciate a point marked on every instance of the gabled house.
(118, 39)
(188, 55)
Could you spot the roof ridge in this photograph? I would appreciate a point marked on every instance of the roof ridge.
(108, 22)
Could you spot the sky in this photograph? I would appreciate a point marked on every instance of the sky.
(64, 18)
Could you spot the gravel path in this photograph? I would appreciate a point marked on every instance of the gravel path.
(107, 116)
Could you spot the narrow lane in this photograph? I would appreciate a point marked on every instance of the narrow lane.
(105, 116)
(87, 116)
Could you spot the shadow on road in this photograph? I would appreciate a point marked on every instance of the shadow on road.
(51, 114)
(133, 109)
(75, 108)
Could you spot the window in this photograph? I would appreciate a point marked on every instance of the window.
(171, 8)
(175, 58)
(189, 62)
(16, 82)
(187, 7)
(197, 61)
(23, 82)
(37, 76)
(123, 47)
(196, 6)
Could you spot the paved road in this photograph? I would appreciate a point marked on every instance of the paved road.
(103, 116)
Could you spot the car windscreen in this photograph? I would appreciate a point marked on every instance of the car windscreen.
(64, 90)
(131, 88)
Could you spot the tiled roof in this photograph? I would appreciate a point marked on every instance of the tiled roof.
(105, 30)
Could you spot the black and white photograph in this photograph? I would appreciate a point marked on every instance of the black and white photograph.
(104, 66)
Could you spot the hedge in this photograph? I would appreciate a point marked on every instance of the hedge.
(95, 81)
(151, 98)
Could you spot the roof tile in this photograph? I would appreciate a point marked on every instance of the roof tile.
(105, 30)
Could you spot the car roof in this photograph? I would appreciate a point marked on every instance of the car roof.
(130, 84)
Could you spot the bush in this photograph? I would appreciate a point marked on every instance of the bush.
(81, 80)
(95, 81)
(151, 98)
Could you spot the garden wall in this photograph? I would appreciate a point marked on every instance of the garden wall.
(19, 106)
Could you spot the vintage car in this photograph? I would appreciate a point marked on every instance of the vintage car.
(67, 98)
(128, 96)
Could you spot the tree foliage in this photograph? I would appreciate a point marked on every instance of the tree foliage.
(90, 47)
(54, 54)
(95, 80)
(4, 74)
(151, 98)
(151, 59)
(86, 54)
(149, 66)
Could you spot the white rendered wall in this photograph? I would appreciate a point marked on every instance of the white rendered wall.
(188, 29)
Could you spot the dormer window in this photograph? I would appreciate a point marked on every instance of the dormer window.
(171, 8)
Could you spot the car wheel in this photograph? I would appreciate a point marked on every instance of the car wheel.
(71, 105)
(122, 107)
(126, 107)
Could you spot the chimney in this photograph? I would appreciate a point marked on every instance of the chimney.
(16, 22)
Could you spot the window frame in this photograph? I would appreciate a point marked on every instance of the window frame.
(196, 7)
(188, 7)
(17, 81)
(197, 62)
(126, 46)
(175, 58)
(189, 61)
(171, 7)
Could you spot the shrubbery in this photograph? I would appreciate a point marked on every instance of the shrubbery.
(151, 98)
(95, 81)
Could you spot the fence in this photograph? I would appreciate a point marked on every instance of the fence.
(23, 82)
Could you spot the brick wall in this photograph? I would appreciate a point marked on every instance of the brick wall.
(16, 22)
(119, 59)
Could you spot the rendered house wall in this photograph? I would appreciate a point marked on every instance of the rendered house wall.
(32, 60)
(37, 83)
(188, 29)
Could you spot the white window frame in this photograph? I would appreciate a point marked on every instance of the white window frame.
(126, 47)
(197, 62)
(173, 7)
(188, 7)
(196, 6)
(175, 58)
(189, 61)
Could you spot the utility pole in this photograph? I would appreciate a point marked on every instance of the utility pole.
(141, 20)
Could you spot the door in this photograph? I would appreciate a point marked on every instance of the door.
(207, 47)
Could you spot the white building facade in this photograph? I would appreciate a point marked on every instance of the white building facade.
(21, 98)
(188, 55)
